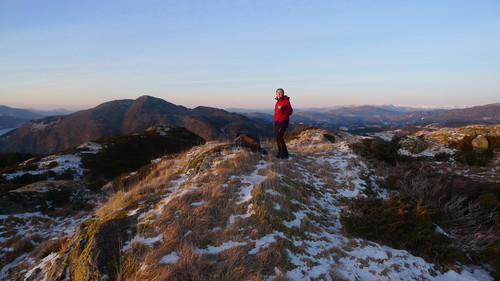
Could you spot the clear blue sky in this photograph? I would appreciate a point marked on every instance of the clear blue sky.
(235, 53)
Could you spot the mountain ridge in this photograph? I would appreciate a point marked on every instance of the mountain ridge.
(50, 134)
(56, 133)
(371, 116)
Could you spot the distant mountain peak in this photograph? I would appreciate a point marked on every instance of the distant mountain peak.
(124, 117)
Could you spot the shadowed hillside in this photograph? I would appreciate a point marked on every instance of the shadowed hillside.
(122, 117)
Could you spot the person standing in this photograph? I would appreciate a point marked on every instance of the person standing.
(282, 111)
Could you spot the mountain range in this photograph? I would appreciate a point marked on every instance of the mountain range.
(122, 117)
(11, 118)
(56, 133)
(384, 116)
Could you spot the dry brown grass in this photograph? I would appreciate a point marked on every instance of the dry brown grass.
(122, 201)
(213, 183)
(50, 246)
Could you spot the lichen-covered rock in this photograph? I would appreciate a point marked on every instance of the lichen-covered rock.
(92, 253)
(414, 145)
(480, 142)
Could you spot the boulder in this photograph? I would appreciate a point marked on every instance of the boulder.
(93, 251)
(414, 145)
(480, 142)
(249, 142)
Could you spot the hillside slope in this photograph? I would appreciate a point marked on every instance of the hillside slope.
(220, 212)
(123, 117)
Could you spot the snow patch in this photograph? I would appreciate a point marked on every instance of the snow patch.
(48, 260)
(145, 241)
(171, 258)
(217, 249)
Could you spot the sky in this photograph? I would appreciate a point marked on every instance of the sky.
(235, 53)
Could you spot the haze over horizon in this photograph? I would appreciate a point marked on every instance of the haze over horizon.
(234, 54)
(269, 107)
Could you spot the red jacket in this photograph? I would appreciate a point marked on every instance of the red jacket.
(286, 110)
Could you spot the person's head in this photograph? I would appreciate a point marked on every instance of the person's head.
(280, 93)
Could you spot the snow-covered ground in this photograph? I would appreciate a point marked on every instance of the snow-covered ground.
(59, 163)
(437, 142)
(36, 228)
(331, 171)
(335, 172)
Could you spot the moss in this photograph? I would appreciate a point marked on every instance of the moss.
(89, 227)
(195, 163)
(82, 265)
(89, 222)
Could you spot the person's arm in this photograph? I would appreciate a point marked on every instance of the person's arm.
(288, 108)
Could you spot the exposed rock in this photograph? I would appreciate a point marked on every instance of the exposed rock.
(414, 145)
(480, 142)
(45, 196)
(247, 141)
(108, 239)
(92, 253)
(16, 202)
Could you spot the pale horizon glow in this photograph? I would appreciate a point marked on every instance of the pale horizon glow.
(234, 54)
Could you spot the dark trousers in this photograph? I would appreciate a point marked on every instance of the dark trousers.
(279, 132)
